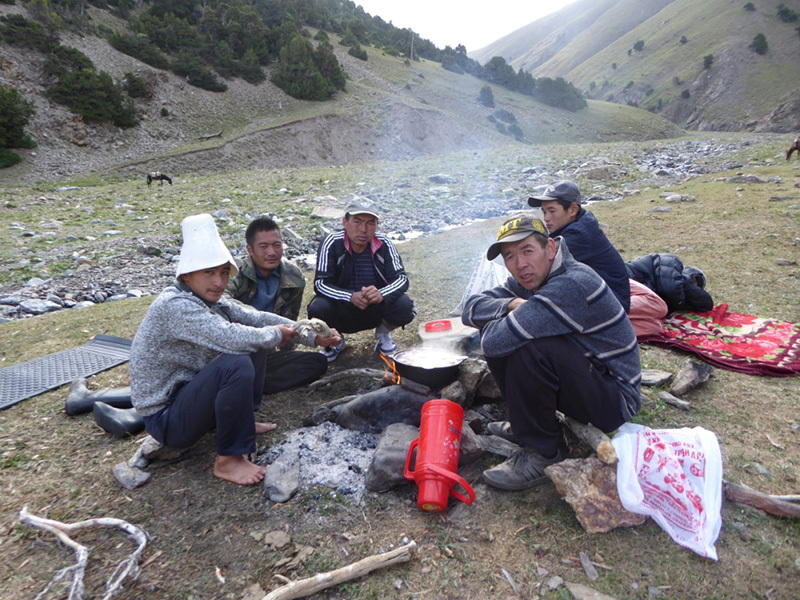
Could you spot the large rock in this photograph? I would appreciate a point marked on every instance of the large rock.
(590, 487)
(374, 411)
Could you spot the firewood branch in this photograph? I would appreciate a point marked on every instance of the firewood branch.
(774, 505)
(127, 568)
(590, 434)
(311, 585)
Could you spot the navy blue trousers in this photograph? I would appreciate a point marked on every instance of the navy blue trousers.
(551, 374)
(346, 317)
(224, 395)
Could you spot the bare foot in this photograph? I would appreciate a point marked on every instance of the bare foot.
(265, 427)
(238, 469)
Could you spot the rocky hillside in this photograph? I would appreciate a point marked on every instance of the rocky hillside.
(390, 110)
(592, 44)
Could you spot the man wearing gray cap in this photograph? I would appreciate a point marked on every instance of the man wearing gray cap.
(565, 217)
(360, 281)
(555, 339)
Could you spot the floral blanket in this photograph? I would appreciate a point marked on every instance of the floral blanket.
(734, 341)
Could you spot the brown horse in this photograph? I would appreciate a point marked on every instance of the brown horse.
(158, 176)
(795, 146)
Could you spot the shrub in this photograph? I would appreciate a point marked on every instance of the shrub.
(357, 51)
(785, 14)
(16, 30)
(140, 48)
(164, 112)
(188, 65)
(750, 7)
(505, 116)
(516, 131)
(297, 73)
(450, 63)
(135, 86)
(708, 60)
(486, 97)
(685, 94)
(559, 93)
(683, 39)
(759, 44)
(639, 45)
(8, 158)
(15, 112)
(95, 97)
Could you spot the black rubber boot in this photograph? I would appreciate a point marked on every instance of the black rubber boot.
(81, 400)
(119, 422)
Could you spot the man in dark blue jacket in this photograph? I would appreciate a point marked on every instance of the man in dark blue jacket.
(564, 216)
(360, 281)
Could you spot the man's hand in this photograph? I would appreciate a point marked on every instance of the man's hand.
(515, 304)
(372, 294)
(358, 300)
(287, 333)
(333, 340)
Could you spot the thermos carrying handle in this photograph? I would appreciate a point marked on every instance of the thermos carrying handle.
(407, 472)
(456, 479)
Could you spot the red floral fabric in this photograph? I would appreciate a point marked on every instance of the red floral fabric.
(734, 341)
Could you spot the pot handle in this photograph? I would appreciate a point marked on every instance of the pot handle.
(407, 472)
(456, 479)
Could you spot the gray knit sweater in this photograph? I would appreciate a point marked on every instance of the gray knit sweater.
(573, 301)
(181, 333)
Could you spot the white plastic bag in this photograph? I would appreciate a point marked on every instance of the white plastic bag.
(675, 477)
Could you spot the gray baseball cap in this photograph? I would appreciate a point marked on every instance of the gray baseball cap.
(561, 190)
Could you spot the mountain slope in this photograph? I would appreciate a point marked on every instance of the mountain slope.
(390, 110)
(590, 43)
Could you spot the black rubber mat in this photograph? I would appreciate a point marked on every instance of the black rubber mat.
(41, 375)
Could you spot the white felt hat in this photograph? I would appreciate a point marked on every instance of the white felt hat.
(202, 247)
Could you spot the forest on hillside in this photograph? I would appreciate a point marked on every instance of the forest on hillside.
(210, 41)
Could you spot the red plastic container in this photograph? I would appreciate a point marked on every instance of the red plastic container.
(438, 448)
(441, 325)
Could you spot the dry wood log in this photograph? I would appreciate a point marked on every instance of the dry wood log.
(321, 581)
(773, 505)
(691, 375)
(376, 373)
(668, 398)
(128, 567)
(211, 135)
(590, 434)
(411, 386)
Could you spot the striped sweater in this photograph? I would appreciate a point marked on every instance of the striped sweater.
(573, 301)
(335, 268)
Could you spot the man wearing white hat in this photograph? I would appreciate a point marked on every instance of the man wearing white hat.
(198, 360)
(360, 281)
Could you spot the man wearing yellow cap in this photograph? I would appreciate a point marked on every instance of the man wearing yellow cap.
(556, 339)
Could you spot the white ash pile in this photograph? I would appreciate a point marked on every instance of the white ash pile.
(325, 455)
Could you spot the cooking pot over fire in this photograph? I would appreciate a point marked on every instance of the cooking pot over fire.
(428, 365)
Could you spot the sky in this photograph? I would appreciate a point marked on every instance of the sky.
(473, 23)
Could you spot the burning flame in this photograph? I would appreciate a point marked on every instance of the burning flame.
(391, 375)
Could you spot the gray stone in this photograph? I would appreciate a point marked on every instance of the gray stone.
(442, 178)
(283, 476)
(655, 377)
(38, 307)
(373, 411)
(84, 304)
(580, 591)
(386, 470)
(129, 477)
(661, 209)
(34, 282)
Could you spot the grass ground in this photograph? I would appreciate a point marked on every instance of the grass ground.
(60, 467)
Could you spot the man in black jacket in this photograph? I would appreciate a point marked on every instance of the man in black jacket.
(360, 281)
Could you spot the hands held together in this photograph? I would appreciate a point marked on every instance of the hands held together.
(366, 296)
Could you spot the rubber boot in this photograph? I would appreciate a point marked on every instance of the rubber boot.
(119, 422)
(81, 400)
